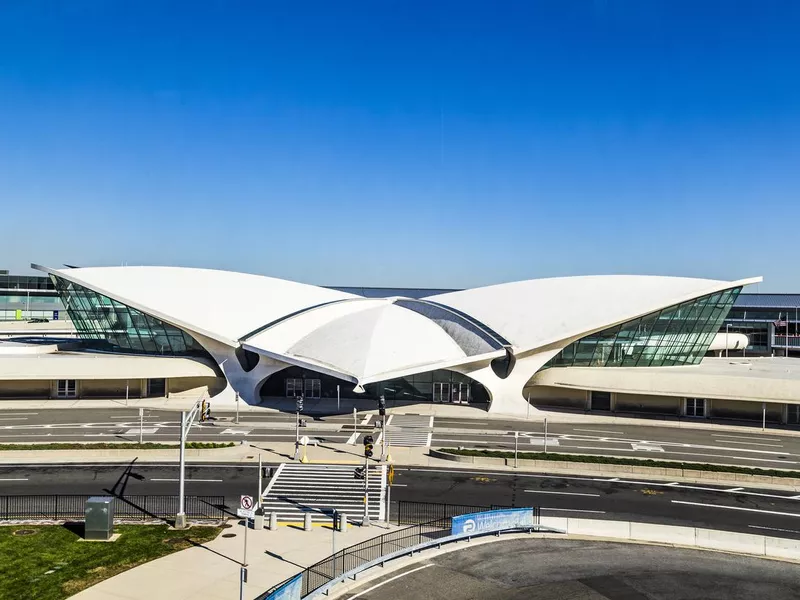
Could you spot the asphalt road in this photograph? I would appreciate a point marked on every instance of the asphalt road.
(545, 569)
(734, 509)
(749, 447)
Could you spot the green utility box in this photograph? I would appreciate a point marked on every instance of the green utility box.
(99, 523)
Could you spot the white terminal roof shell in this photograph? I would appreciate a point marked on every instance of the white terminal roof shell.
(373, 339)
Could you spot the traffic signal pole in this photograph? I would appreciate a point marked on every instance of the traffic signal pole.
(365, 522)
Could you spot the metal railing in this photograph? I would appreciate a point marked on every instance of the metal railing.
(793, 341)
(57, 507)
(410, 513)
(335, 566)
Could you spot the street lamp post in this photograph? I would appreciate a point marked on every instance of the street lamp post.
(187, 420)
(727, 344)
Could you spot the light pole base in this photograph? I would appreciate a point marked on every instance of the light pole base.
(180, 521)
(389, 458)
(366, 522)
(304, 459)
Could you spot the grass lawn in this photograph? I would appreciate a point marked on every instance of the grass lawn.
(52, 563)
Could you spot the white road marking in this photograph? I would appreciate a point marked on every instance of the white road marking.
(741, 437)
(754, 444)
(735, 490)
(755, 510)
(399, 485)
(596, 512)
(126, 417)
(674, 483)
(144, 430)
(366, 419)
(390, 579)
(187, 480)
(240, 432)
(13, 479)
(540, 442)
(646, 448)
(774, 529)
(561, 493)
(10, 414)
(598, 431)
(14, 419)
(352, 439)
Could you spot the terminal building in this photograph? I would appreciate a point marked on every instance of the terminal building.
(622, 344)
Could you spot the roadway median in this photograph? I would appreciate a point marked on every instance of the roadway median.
(611, 466)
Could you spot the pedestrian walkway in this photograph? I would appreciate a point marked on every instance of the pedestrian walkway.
(211, 571)
(318, 489)
(409, 430)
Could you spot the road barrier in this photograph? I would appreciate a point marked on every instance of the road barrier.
(679, 536)
(452, 526)
(57, 507)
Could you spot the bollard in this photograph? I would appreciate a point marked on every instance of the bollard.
(307, 522)
(342, 524)
(273, 521)
(258, 522)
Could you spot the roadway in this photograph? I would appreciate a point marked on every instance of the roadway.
(545, 569)
(730, 508)
(746, 447)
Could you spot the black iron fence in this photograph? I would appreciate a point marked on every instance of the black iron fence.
(429, 522)
(409, 513)
(57, 507)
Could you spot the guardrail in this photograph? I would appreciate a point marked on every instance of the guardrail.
(56, 507)
(346, 563)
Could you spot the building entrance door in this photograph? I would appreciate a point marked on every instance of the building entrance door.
(460, 393)
(441, 392)
(600, 401)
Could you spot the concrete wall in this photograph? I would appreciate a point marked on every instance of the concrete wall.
(554, 396)
(24, 389)
(188, 386)
(105, 388)
(674, 535)
(648, 404)
(742, 409)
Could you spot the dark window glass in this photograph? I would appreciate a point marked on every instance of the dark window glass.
(116, 327)
(676, 335)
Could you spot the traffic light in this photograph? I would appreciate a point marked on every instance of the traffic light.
(382, 406)
(299, 401)
(359, 473)
(369, 444)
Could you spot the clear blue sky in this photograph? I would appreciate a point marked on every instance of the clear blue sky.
(407, 142)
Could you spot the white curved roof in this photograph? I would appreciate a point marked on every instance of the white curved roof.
(369, 340)
(538, 312)
(203, 300)
(374, 339)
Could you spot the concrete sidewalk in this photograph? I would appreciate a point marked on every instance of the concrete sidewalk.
(212, 570)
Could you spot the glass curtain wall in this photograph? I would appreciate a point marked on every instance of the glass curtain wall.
(111, 326)
(676, 335)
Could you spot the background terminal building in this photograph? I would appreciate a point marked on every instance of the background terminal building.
(628, 344)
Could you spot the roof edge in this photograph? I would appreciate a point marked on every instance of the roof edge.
(133, 304)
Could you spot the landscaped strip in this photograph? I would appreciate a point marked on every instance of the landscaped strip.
(613, 460)
(116, 446)
(49, 562)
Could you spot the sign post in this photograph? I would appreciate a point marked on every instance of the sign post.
(141, 421)
(247, 511)
(516, 447)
